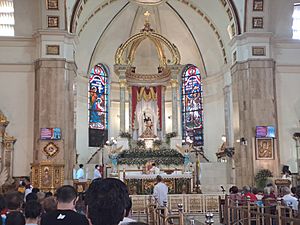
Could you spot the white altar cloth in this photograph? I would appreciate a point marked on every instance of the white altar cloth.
(153, 176)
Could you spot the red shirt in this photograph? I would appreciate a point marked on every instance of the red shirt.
(250, 196)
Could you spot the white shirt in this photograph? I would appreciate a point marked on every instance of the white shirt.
(160, 193)
(126, 220)
(97, 174)
(291, 201)
(155, 170)
(80, 174)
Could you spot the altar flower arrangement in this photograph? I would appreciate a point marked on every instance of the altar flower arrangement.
(169, 136)
(163, 156)
(125, 135)
(261, 178)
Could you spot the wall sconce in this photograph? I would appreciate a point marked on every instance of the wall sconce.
(223, 138)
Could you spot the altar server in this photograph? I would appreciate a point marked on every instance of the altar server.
(160, 191)
(80, 172)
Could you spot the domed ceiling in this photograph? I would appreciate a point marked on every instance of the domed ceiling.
(199, 29)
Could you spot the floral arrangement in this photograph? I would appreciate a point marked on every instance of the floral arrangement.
(140, 144)
(125, 135)
(157, 142)
(261, 178)
(169, 136)
(162, 156)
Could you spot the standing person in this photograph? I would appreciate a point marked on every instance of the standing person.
(97, 173)
(160, 191)
(80, 172)
(65, 215)
(32, 211)
(28, 187)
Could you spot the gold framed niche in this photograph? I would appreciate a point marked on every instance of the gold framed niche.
(47, 176)
(264, 148)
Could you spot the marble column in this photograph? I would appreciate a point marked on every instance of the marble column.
(174, 86)
(254, 104)
(54, 107)
(122, 104)
(163, 111)
(130, 109)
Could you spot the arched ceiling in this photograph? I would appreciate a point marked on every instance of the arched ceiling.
(198, 28)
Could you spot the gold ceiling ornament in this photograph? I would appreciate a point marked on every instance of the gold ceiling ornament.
(51, 150)
(158, 40)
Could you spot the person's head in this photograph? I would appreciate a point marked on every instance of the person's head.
(153, 164)
(286, 170)
(97, 167)
(66, 195)
(234, 190)
(27, 180)
(31, 197)
(40, 196)
(255, 191)
(81, 166)
(48, 194)
(286, 190)
(15, 218)
(33, 210)
(158, 178)
(107, 200)
(246, 189)
(35, 190)
(13, 200)
(49, 204)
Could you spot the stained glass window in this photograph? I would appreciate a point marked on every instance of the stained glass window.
(98, 97)
(192, 105)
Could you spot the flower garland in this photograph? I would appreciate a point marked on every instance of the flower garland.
(162, 156)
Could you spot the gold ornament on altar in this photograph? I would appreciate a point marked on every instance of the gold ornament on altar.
(51, 150)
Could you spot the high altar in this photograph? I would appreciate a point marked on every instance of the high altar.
(147, 124)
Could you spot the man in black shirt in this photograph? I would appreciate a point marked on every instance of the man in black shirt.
(65, 214)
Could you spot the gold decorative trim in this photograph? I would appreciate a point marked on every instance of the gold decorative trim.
(158, 40)
(53, 21)
(163, 75)
(51, 150)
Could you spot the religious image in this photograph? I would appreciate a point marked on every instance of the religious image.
(264, 148)
(192, 105)
(98, 98)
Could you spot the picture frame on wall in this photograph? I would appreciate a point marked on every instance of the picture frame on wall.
(258, 51)
(258, 5)
(52, 4)
(264, 148)
(53, 21)
(257, 22)
(52, 50)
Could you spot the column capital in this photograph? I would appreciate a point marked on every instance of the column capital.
(123, 83)
(174, 83)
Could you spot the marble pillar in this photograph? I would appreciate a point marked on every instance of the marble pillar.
(163, 111)
(254, 104)
(54, 107)
(174, 86)
(122, 105)
(130, 109)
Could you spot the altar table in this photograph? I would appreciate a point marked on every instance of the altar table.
(143, 183)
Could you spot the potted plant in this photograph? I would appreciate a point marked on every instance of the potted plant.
(261, 178)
